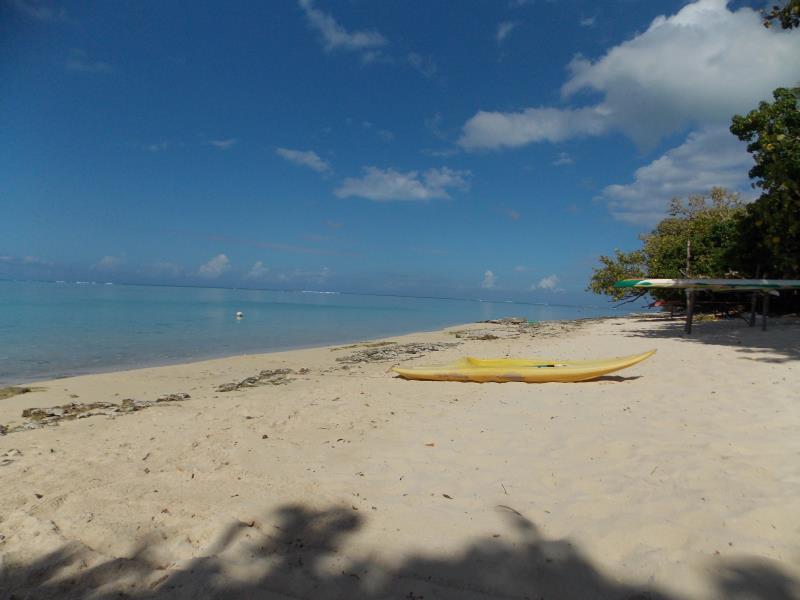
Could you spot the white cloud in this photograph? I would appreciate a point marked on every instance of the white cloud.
(504, 29)
(25, 260)
(547, 283)
(423, 64)
(307, 158)
(158, 146)
(489, 280)
(699, 66)
(388, 185)
(334, 36)
(258, 270)
(491, 130)
(385, 135)
(108, 263)
(588, 21)
(712, 157)
(40, 11)
(223, 144)
(216, 266)
(521, 268)
(563, 159)
(78, 60)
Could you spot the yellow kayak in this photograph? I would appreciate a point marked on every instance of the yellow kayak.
(501, 370)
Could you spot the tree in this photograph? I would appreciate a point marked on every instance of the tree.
(710, 222)
(788, 15)
(771, 227)
(623, 265)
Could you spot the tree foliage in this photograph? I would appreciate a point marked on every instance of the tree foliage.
(623, 265)
(771, 228)
(710, 222)
(787, 15)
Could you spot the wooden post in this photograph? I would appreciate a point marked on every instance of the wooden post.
(753, 301)
(689, 311)
(764, 311)
(689, 292)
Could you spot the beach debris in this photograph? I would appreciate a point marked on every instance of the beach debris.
(265, 377)
(364, 345)
(506, 321)
(8, 392)
(8, 457)
(393, 352)
(41, 417)
(516, 327)
(483, 334)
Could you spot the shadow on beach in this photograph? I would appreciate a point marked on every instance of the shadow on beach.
(296, 554)
(779, 344)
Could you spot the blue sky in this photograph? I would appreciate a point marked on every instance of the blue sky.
(471, 149)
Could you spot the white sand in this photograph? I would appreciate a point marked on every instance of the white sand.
(679, 477)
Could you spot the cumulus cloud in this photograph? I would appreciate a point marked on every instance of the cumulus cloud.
(503, 30)
(709, 158)
(386, 185)
(304, 158)
(257, 271)
(492, 130)
(547, 283)
(216, 266)
(78, 60)
(108, 263)
(521, 268)
(698, 66)
(223, 144)
(489, 280)
(336, 37)
(563, 159)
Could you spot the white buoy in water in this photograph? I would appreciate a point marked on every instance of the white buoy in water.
(239, 314)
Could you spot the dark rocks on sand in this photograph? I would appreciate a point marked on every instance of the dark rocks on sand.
(394, 352)
(39, 417)
(266, 377)
(507, 321)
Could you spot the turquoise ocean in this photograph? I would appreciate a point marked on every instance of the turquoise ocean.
(50, 330)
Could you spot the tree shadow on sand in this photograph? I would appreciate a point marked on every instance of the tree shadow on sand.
(299, 556)
(779, 344)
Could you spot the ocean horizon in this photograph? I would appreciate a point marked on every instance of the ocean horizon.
(57, 329)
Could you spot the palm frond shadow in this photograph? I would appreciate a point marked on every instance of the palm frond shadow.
(297, 553)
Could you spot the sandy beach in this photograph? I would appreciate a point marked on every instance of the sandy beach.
(325, 476)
